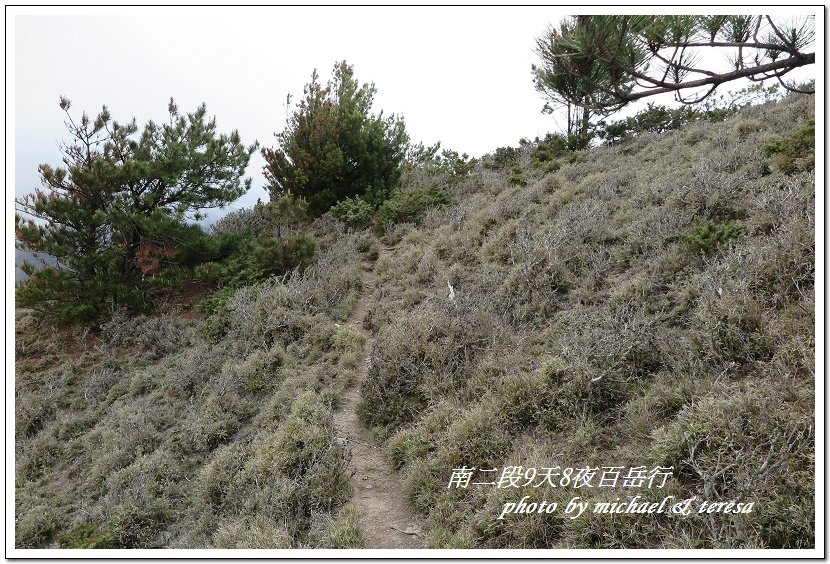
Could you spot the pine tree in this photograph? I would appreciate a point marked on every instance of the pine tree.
(333, 147)
(118, 205)
(602, 63)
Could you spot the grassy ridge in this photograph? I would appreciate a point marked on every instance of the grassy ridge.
(649, 303)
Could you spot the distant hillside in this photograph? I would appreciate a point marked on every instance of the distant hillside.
(22, 256)
(631, 320)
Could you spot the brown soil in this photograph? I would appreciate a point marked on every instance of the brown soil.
(386, 519)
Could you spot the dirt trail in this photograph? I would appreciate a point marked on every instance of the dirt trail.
(386, 519)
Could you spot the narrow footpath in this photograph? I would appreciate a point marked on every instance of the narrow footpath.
(386, 519)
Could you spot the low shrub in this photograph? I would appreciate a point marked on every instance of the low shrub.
(548, 152)
(502, 158)
(256, 259)
(341, 532)
(421, 357)
(36, 526)
(303, 461)
(745, 445)
(706, 236)
(657, 119)
(517, 177)
(137, 524)
(251, 221)
(86, 535)
(251, 531)
(451, 164)
(652, 119)
(410, 207)
(795, 152)
(278, 256)
(355, 213)
(214, 305)
(149, 337)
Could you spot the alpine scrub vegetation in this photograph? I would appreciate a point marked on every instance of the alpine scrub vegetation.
(147, 434)
(795, 152)
(648, 303)
(614, 312)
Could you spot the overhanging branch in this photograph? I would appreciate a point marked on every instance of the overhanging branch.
(789, 64)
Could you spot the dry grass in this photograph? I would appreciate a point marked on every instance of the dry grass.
(143, 434)
(587, 328)
(594, 321)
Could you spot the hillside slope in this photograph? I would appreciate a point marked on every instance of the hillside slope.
(647, 306)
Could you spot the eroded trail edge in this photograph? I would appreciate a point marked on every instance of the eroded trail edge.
(386, 519)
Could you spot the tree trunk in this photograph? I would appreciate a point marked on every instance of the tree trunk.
(570, 120)
(128, 266)
(586, 121)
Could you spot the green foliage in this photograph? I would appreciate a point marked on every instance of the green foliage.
(516, 176)
(354, 212)
(546, 154)
(581, 140)
(656, 119)
(602, 63)
(52, 290)
(215, 302)
(86, 536)
(114, 216)
(81, 313)
(455, 164)
(278, 256)
(652, 119)
(252, 260)
(332, 146)
(448, 162)
(410, 207)
(567, 77)
(597, 64)
(257, 258)
(502, 158)
(795, 152)
(706, 236)
(287, 210)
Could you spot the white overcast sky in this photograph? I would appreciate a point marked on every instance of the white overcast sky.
(459, 75)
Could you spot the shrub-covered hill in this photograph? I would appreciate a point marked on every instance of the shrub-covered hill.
(648, 304)
(147, 433)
